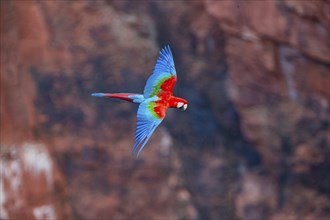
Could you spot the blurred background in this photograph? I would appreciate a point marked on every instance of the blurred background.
(253, 144)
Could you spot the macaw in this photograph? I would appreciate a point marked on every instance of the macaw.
(154, 101)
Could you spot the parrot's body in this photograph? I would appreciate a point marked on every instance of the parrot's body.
(155, 100)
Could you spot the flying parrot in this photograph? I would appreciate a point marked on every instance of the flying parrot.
(154, 101)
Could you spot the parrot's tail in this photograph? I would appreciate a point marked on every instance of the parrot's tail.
(130, 97)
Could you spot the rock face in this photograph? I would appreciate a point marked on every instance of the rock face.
(254, 143)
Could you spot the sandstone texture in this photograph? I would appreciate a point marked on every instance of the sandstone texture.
(253, 144)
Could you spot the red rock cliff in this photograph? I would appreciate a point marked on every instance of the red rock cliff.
(254, 143)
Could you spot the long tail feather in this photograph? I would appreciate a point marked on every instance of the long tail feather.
(130, 97)
(98, 94)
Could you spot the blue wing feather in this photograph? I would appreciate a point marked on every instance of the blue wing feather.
(146, 125)
(165, 62)
(164, 68)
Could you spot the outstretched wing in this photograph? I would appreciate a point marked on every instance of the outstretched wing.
(163, 76)
(149, 116)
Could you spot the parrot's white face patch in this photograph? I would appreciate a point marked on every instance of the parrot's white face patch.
(181, 105)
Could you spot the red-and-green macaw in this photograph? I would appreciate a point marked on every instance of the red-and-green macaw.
(155, 100)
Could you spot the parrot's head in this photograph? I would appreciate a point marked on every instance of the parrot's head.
(182, 104)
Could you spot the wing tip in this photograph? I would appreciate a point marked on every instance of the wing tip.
(143, 136)
(166, 48)
(166, 52)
